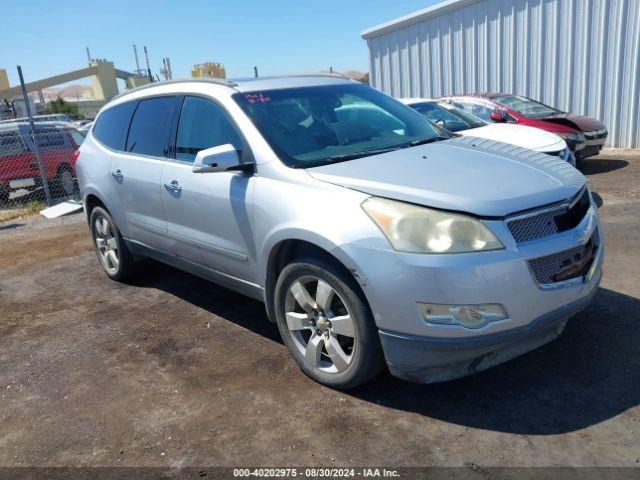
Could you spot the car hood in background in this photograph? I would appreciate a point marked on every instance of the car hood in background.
(579, 122)
(520, 135)
(466, 174)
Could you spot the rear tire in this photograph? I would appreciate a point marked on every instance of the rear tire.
(326, 323)
(65, 183)
(4, 194)
(111, 249)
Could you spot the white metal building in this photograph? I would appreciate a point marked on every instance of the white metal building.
(581, 56)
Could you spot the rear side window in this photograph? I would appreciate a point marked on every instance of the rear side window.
(49, 137)
(203, 124)
(111, 126)
(10, 144)
(77, 137)
(150, 127)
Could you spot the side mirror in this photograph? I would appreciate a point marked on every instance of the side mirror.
(218, 159)
(497, 116)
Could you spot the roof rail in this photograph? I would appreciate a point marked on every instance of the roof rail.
(311, 74)
(217, 81)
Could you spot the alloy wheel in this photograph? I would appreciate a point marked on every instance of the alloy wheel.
(320, 324)
(106, 242)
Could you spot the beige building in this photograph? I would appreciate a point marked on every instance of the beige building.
(208, 70)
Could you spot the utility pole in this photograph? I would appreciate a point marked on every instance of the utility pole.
(135, 54)
(36, 148)
(169, 68)
(164, 71)
(146, 56)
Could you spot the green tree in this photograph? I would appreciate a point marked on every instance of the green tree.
(60, 106)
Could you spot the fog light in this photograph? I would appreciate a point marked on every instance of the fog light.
(470, 316)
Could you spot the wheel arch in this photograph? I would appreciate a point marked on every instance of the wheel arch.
(284, 250)
(92, 200)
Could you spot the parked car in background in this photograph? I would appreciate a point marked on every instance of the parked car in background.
(19, 168)
(367, 241)
(461, 122)
(585, 136)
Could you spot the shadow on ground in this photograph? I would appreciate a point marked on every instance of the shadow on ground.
(595, 165)
(588, 375)
(229, 305)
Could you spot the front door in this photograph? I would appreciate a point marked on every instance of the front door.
(208, 214)
(136, 173)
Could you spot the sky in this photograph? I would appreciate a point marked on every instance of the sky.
(48, 37)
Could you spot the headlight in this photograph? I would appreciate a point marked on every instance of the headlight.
(414, 229)
(573, 137)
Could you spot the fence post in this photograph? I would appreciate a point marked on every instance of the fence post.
(36, 148)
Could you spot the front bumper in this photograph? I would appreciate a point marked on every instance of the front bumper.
(430, 360)
(396, 283)
(594, 142)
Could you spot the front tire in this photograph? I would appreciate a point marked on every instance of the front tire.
(326, 323)
(112, 251)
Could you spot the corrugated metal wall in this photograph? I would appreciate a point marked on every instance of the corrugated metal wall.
(580, 56)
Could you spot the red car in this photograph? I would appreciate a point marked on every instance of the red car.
(18, 163)
(585, 136)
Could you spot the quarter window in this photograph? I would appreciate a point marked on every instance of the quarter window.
(111, 126)
(203, 124)
(150, 126)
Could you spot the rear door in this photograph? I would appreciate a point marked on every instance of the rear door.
(15, 159)
(136, 172)
(208, 214)
(55, 150)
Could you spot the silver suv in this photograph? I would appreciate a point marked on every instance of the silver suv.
(371, 235)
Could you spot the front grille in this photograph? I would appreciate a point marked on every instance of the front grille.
(596, 134)
(565, 265)
(550, 221)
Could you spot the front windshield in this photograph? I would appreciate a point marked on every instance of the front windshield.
(440, 116)
(525, 106)
(451, 118)
(469, 118)
(312, 126)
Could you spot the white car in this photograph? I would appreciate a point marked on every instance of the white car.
(464, 123)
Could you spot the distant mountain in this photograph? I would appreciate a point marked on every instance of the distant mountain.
(71, 92)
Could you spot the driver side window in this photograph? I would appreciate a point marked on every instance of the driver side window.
(203, 124)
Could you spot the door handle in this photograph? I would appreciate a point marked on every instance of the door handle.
(173, 187)
(117, 174)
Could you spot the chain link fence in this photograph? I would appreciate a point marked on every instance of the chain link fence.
(33, 162)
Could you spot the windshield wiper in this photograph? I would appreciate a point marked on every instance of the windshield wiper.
(424, 141)
(365, 153)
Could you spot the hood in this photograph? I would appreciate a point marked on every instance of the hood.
(520, 135)
(579, 122)
(466, 174)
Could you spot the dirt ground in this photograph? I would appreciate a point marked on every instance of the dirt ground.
(173, 371)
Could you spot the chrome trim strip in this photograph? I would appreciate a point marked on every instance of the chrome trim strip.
(146, 226)
(208, 246)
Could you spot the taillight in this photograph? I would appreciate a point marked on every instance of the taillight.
(74, 159)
